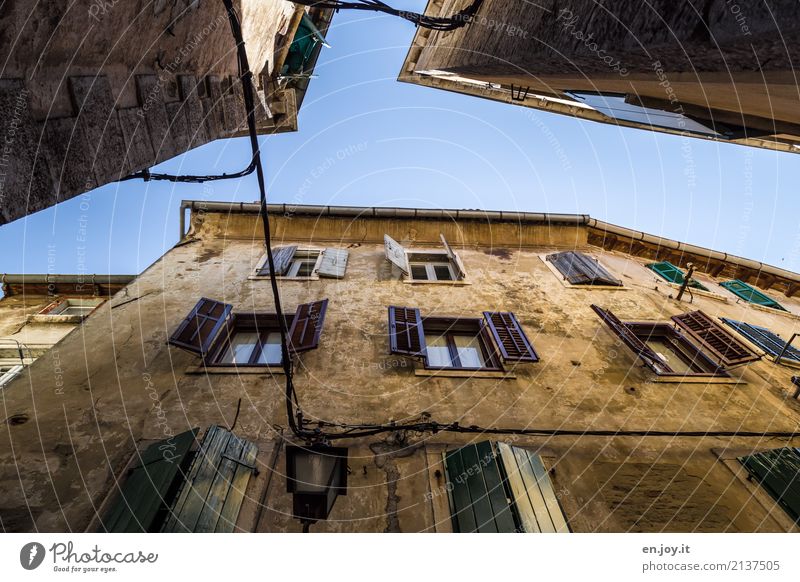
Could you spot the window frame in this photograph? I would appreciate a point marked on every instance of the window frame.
(681, 344)
(12, 372)
(429, 261)
(299, 255)
(56, 308)
(449, 327)
(262, 323)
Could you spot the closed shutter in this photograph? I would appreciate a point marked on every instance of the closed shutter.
(307, 326)
(751, 294)
(715, 340)
(532, 491)
(282, 257)
(406, 334)
(214, 492)
(200, 328)
(145, 492)
(580, 269)
(778, 471)
(673, 274)
(395, 253)
(478, 499)
(334, 263)
(765, 339)
(511, 340)
(455, 260)
(494, 487)
(637, 346)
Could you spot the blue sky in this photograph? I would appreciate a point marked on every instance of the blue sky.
(366, 139)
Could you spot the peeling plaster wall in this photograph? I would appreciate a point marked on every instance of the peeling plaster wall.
(117, 375)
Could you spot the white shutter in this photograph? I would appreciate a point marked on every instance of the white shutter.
(334, 263)
(454, 259)
(395, 253)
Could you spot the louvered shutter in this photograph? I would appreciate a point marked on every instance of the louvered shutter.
(406, 334)
(395, 253)
(214, 492)
(765, 339)
(673, 274)
(629, 338)
(307, 326)
(145, 490)
(455, 260)
(715, 340)
(198, 331)
(778, 471)
(511, 340)
(580, 269)
(334, 263)
(751, 294)
(282, 257)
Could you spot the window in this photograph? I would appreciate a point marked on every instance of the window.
(459, 343)
(765, 339)
(436, 265)
(293, 263)
(669, 352)
(494, 487)
(162, 489)
(673, 274)
(8, 373)
(580, 269)
(778, 471)
(71, 306)
(223, 338)
(751, 294)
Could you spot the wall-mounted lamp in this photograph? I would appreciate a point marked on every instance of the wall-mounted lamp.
(316, 475)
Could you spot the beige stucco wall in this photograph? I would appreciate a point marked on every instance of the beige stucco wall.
(119, 383)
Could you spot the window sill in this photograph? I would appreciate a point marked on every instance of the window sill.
(496, 374)
(423, 282)
(56, 318)
(238, 370)
(282, 278)
(772, 310)
(700, 292)
(697, 380)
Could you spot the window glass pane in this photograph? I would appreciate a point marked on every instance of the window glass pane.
(419, 272)
(442, 272)
(240, 348)
(469, 351)
(271, 351)
(76, 310)
(438, 352)
(305, 268)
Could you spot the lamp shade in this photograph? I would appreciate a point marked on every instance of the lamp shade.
(316, 476)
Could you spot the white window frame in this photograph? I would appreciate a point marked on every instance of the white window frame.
(57, 308)
(294, 266)
(12, 372)
(430, 266)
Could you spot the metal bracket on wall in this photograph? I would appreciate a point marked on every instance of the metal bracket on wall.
(519, 93)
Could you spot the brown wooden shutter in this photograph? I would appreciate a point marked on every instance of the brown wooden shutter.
(510, 338)
(201, 327)
(630, 339)
(406, 334)
(580, 269)
(307, 326)
(715, 339)
(282, 257)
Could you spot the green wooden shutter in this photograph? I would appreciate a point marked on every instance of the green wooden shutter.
(214, 492)
(147, 487)
(673, 274)
(751, 294)
(778, 471)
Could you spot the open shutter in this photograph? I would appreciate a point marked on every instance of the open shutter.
(673, 274)
(532, 491)
(146, 489)
(751, 294)
(629, 338)
(282, 257)
(406, 334)
(778, 471)
(580, 269)
(198, 331)
(334, 263)
(214, 492)
(395, 253)
(455, 260)
(307, 326)
(767, 340)
(714, 339)
(511, 340)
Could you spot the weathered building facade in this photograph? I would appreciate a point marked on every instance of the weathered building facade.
(489, 319)
(92, 91)
(712, 69)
